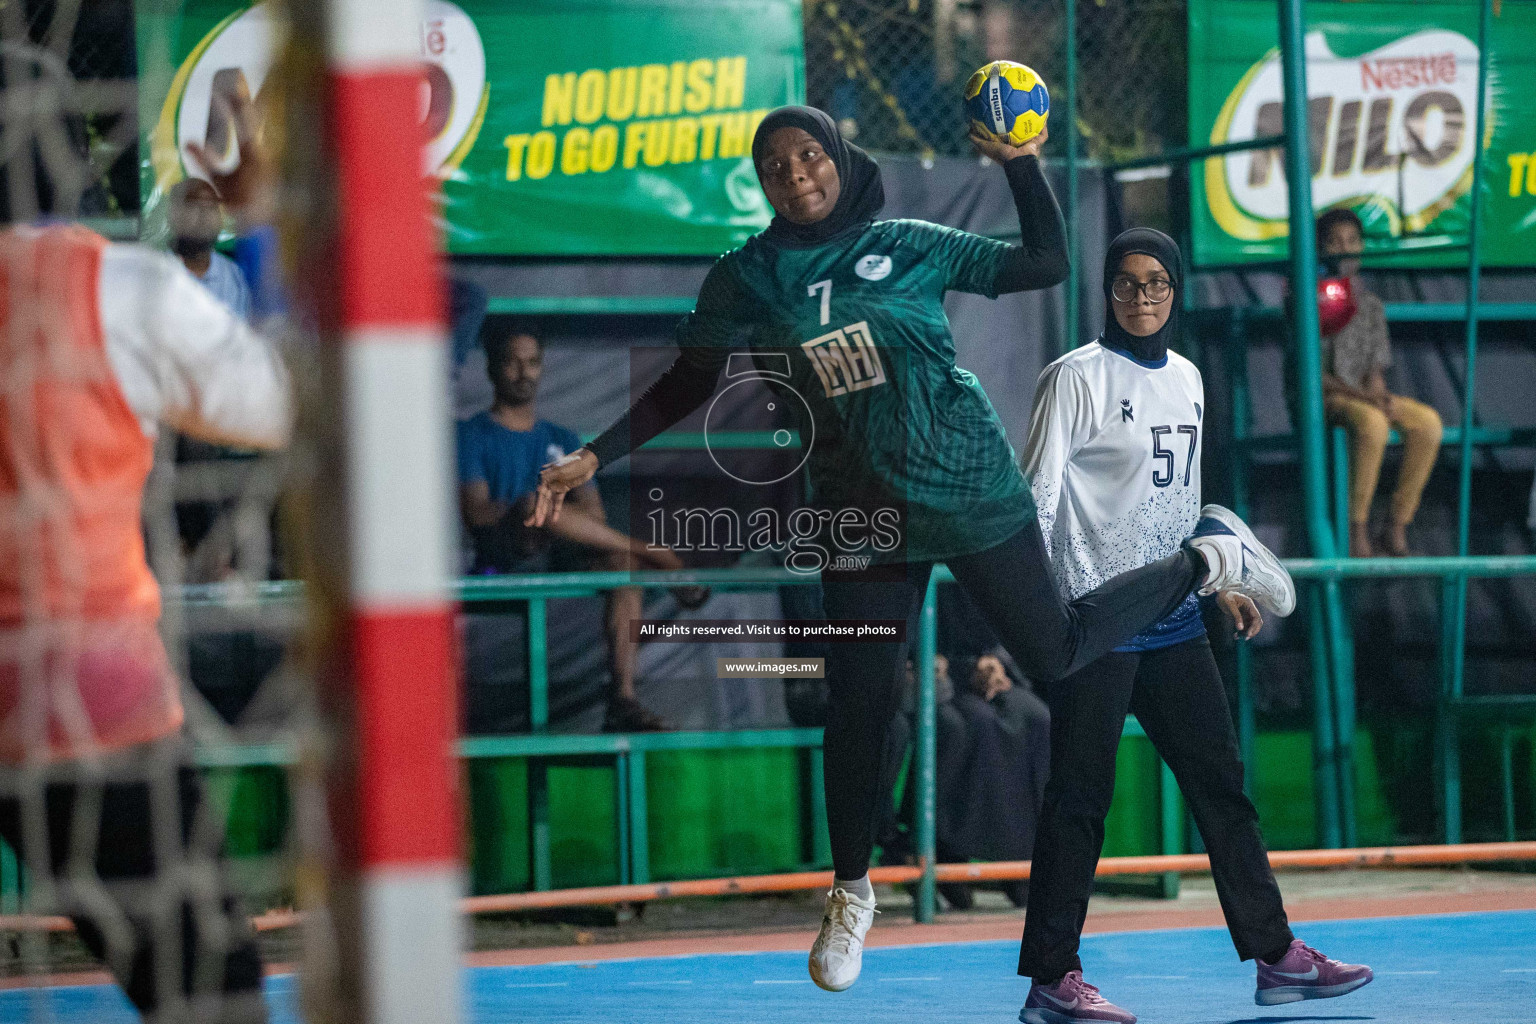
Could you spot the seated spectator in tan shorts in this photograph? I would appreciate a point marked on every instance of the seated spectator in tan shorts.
(1355, 396)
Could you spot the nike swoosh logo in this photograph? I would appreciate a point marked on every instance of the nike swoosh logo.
(1309, 976)
(1073, 1004)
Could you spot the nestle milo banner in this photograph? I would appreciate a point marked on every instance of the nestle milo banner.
(558, 127)
(1392, 101)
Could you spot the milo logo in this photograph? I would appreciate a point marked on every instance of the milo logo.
(1390, 131)
(234, 58)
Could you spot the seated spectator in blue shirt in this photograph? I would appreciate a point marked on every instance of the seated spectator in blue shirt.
(196, 218)
(500, 453)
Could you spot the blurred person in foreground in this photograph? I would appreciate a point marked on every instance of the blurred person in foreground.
(500, 453)
(101, 343)
(1355, 396)
(196, 219)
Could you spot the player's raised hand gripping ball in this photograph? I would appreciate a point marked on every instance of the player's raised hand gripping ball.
(1007, 101)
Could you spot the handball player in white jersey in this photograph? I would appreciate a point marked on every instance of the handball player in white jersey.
(1113, 460)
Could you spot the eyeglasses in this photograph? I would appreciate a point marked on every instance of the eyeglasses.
(1156, 290)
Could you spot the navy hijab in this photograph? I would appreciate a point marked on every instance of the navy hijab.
(1147, 242)
(862, 193)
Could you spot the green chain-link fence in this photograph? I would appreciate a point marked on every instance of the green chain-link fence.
(77, 58)
(892, 71)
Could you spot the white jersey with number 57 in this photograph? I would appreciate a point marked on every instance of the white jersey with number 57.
(1113, 459)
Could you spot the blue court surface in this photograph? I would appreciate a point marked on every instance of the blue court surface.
(1429, 970)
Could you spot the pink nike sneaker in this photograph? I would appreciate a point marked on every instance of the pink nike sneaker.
(1070, 1001)
(1304, 973)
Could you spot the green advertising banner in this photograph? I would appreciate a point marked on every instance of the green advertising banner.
(1391, 93)
(558, 127)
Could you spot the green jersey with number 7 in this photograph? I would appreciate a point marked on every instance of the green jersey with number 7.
(895, 421)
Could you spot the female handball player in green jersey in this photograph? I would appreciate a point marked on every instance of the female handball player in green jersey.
(856, 305)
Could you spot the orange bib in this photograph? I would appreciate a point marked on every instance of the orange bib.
(82, 667)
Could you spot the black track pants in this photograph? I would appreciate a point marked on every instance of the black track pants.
(1177, 696)
(1013, 587)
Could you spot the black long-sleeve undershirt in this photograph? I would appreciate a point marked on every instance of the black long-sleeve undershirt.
(1038, 261)
(682, 388)
(1040, 258)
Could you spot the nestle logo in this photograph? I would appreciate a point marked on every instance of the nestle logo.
(1408, 72)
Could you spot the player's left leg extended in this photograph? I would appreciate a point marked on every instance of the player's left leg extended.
(1014, 586)
(1181, 704)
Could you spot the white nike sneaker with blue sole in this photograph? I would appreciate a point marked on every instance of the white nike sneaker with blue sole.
(1238, 561)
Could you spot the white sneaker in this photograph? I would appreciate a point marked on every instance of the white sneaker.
(838, 954)
(1239, 562)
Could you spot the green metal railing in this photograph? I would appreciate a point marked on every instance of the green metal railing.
(540, 747)
(1331, 641)
(1324, 578)
(1330, 626)
(1454, 644)
(496, 592)
(493, 594)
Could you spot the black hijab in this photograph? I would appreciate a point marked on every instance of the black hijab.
(861, 196)
(1165, 250)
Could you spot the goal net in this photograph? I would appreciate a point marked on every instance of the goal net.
(240, 808)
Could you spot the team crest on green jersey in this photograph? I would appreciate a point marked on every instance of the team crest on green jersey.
(873, 267)
(846, 359)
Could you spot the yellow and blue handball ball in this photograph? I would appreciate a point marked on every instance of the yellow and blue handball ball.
(1007, 101)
